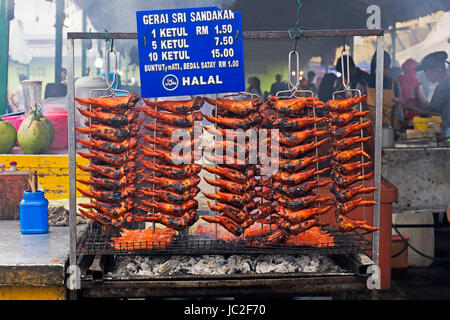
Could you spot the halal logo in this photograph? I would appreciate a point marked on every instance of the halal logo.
(170, 82)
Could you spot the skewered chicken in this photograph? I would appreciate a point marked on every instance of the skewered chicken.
(238, 108)
(122, 102)
(342, 132)
(293, 106)
(236, 214)
(173, 119)
(346, 156)
(235, 123)
(106, 132)
(298, 228)
(346, 104)
(232, 174)
(175, 172)
(109, 196)
(128, 169)
(299, 190)
(175, 222)
(166, 156)
(343, 195)
(171, 197)
(110, 119)
(177, 186)
(112, 159)
(109, 146)
(341, 119)
(170, 144)
(344, 181)
(298, 177)
(344, 208)
(230, 198)
(296, 217)
(274, 238)
(346, 224)
(347, 142)
(235, 162)
(178, 107)
(295, 152)
(227, 223)
(108, 184)
(347, 168)
(103, 219)
(140, 239)
(113, 211)
(167, 129)
(294, 165)
(296, 124)
(299, 203)
(294, 138)
(170, 208)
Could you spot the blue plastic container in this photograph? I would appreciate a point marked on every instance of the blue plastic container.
(33, 213)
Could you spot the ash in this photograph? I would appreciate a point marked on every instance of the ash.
(127, 266)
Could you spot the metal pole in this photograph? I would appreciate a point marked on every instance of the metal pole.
(72, 158)
(58, 39)
(394, 44)
(4, 48)
(83, 47)
(378, 137)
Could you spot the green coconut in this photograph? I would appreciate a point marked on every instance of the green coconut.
(34, 134)
(50, 127)
(8, 136)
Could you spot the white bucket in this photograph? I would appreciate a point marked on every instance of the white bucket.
(420, 238)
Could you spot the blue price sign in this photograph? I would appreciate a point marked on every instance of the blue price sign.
(190, 51)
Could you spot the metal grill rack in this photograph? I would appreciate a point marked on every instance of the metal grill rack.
(99, 242)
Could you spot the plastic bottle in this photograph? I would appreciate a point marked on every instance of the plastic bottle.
(13, 166)
(33, 213)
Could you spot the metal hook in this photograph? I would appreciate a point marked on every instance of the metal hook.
(297, 69)
(345, 75)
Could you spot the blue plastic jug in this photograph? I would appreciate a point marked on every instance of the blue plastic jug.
(33, 213)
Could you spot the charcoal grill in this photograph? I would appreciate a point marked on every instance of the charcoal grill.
(94, 249)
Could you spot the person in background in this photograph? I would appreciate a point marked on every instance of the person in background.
(278, 85)
(64, 75)
(392, 112)
(16, 99)
(358, 77)
(434, 67)
(412, 96)
(395, 72)
(326, 87)
(255, 87)
(309, 84)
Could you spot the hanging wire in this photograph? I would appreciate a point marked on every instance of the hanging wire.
(298, 29)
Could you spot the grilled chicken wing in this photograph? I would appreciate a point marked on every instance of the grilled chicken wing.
(346, 104)
(346, 156)
(103, 219)
(294, 165)
(235, 123)
(113, 211)
(106, 132)
(344, 181)
(232, 174)
(347, 142)
(167, 156)
(236, 214)
(109, 146)
(227, 223)
(298, 190)
(341, 119)
(295, 152)
(294, 138)
(171, 197)
(231, 186)
(346, 224)
(344, 208)
(176, 223)
(108, 184)
(178, 107)
(177, 186)
(173, 119)
(112, 159)
(347, 168)
(296, 124)
(296, 217)
(298, 177)
(238, 108)
(342, 132)
(344, 195)
(109, 196)
(168, 130)
(233, 199)
(293, 106)
(170, 208)
(175, 172)
(299, 203)
(110, 119)
(128, 169)
(122, 102)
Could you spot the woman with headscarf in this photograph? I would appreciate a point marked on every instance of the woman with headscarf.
(412, 92)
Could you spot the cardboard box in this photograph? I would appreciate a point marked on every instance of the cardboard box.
(399, 261)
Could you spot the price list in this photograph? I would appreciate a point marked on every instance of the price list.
(190, 51)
